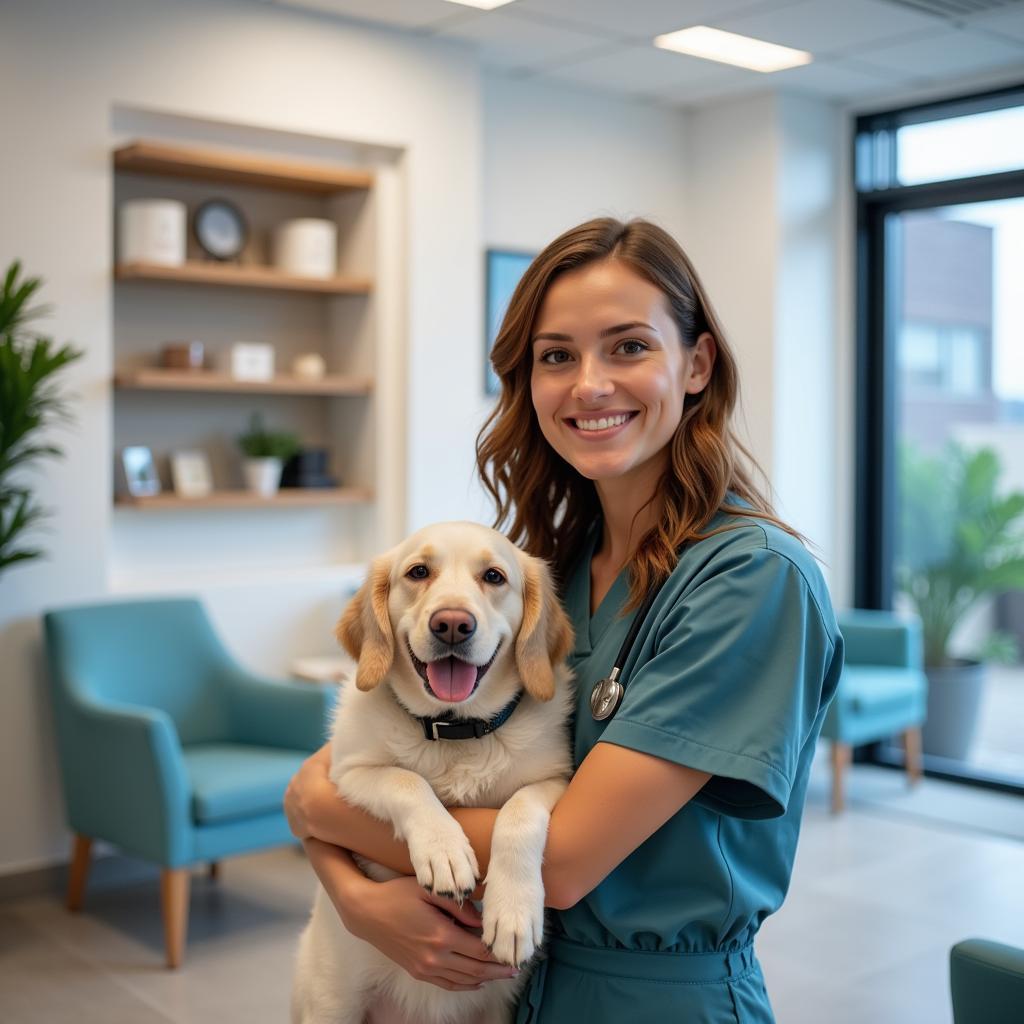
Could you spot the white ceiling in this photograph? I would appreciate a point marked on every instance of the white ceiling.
(861, 48)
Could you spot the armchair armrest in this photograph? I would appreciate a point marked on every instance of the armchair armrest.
(277, 713)
(986, 980)
(881, 638)
(125, 778)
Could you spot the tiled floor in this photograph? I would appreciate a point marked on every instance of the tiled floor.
(877, 899)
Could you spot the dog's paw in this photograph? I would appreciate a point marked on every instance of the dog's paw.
(443, 859)
(513, 919)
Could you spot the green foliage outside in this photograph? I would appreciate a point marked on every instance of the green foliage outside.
(260, 443)
(30, 402)
(959, 541)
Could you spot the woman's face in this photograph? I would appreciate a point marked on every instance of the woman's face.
(610, 371)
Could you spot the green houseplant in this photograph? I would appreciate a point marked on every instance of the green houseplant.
(960, 541)
(30, 402)
(266, 452)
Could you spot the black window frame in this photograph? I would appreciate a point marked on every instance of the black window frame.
(878, 194)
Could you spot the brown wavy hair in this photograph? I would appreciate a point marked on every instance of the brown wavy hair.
(544, 504)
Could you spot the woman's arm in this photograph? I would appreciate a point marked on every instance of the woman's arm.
(432, 943)
(616, 800)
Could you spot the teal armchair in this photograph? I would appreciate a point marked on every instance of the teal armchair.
(986, 981)
(168, 748)
(882, 691)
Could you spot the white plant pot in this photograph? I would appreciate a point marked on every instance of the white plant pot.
(263, 476)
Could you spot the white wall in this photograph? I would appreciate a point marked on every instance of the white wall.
(274, 70)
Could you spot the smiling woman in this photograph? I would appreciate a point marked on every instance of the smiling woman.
(611, 455)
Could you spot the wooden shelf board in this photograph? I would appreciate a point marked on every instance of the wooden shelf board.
(144, 157)
(158, 379)
(236, 276)
(287, 497)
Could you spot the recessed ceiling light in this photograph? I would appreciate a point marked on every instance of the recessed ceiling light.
(729, 48)
(484, 5)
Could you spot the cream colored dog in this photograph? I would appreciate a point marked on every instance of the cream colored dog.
(455, 623)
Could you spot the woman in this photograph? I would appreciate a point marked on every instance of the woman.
(611, 454)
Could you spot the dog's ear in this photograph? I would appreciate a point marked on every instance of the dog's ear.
(545, 637)
(364, 629)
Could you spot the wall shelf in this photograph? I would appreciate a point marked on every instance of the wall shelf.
(157, 379)
(144, 157)
(234, 276)
(287, 497)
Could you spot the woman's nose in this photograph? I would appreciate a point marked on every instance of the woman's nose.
(591, 381)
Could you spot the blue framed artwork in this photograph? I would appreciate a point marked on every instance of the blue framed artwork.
(504, 269)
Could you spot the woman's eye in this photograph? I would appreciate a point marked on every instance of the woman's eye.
(494, 576)
(418, 572)
(637, 347)
(554, 356)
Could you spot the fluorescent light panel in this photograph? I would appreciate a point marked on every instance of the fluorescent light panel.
(483, 5)
(729, 48)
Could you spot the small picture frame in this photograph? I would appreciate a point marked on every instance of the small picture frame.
(252, 361)
(504, 269)
(190, 474)
(141, 479)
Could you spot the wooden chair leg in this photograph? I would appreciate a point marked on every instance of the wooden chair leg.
(214, 873)
(78, 871)
(174, 887)
(841, 755)
(912, 754)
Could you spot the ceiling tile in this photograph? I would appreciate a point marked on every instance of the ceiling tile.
(952, 52)
(824, 26)
(507, 42)
(409, 14)
(638, 20)
(836, 80)
(645, 69)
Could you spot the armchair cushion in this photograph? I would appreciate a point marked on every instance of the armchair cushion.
(233, 780)
(877, 690)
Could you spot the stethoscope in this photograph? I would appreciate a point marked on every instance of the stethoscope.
(606, 696)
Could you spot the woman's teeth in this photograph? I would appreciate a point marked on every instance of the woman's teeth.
(602, 424)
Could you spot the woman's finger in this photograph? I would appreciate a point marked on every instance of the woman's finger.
(465, 913)
(481, 970)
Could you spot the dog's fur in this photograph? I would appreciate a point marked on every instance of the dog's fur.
(382, 762)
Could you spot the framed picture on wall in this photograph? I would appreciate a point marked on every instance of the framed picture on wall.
(504, 269)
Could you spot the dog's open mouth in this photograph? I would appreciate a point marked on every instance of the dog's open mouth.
(450, 679)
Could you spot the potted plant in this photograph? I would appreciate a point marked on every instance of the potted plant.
(266, 452)
(960, 542)
(29, 404)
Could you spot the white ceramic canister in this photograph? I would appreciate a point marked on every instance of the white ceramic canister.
(307, 247)
(153, 231)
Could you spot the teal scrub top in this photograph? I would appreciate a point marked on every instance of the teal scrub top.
(731, 674)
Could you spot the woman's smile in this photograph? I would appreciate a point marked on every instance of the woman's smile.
(600, 426)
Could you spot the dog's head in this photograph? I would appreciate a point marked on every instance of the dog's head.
(454, 610)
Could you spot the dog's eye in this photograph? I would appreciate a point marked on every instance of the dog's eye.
(494, 576)
(418, 572)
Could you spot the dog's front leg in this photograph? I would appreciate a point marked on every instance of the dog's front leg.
(514, 898)
(441, 854)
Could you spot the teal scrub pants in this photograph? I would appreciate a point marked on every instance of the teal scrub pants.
(623, 986)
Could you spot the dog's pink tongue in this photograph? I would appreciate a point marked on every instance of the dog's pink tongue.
(451, 679)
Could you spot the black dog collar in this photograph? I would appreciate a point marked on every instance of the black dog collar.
(447, 728)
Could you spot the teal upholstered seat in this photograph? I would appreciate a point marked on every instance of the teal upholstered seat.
(986, 981)
(168, 747)
(882, 691)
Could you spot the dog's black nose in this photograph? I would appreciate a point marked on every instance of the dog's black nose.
(452, 625)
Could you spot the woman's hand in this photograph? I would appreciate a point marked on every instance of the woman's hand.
(309, 789)
(425, 934)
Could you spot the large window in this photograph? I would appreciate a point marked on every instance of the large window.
(940, 519)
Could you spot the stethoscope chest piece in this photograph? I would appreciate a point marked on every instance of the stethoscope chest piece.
(606, 696)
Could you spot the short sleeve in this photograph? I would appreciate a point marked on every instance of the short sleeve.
(733, 684)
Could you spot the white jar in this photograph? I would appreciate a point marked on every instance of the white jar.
(153, 231)
(307, 247)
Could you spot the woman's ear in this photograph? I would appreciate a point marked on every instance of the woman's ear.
(545, 636)
(702, 362)
(364, 629)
